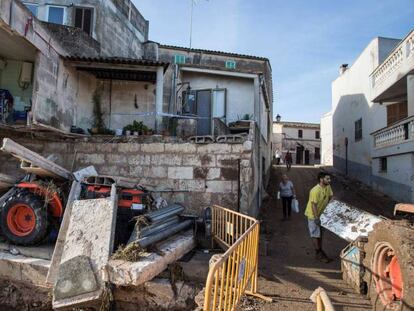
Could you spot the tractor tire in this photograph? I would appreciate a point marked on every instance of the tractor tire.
(24, 218)
(389, 266)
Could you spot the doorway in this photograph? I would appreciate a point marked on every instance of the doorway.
(204, 112)
(299, 155)
(307, 157)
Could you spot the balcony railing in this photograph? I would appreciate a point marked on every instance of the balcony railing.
(395, 134)
(397, 57)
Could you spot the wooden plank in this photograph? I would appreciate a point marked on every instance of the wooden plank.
(6, 181)
(28, 168)
(57, 253)
(24, 154)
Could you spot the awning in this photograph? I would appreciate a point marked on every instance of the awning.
(116, 68)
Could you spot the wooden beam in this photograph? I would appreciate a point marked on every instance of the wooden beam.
(6, 181)
(36, 160)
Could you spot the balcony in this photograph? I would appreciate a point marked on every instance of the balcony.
(395, 139)
(387, 82)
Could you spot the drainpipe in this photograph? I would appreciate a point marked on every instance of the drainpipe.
(11, 13)
(238, 186)
(159, 88)
(346, 156)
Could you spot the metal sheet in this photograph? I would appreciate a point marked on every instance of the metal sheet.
(346, 221)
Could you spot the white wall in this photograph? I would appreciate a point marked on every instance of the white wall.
(351, 93)
(326, 139)
(292, 132)
(397, 180)
(240, 91)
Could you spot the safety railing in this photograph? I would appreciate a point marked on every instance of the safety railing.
(230, 276)
(322, 300)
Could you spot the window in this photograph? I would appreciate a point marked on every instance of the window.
(32, 8)
(179, 59)
(230, 64)
(396, 112)
(317, 135)
(83, 19)
(56, 14)
(189, 102)
(383, 164)
(219, 103)
(300, 133)
(358, 129)
(317, 153)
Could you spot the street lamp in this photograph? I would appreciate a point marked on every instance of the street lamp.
(278, 117)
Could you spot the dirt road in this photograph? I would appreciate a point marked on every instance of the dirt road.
(290, 272)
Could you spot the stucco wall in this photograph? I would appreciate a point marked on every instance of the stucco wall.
(9, 78)
(326, 140)
(351, 93)
(240, 92)
(397, 181)
(111, 28)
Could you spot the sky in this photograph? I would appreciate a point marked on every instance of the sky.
(305, 40)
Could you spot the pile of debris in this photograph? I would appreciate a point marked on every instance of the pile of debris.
(91, 215)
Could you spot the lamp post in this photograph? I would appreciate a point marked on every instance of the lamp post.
(278, 117)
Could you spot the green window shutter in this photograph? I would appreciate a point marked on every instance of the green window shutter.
(230, 64)
(179, 59)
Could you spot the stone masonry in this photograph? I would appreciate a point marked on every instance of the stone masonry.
(196, 175)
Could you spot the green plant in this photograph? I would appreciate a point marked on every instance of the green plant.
(98, 121)
(137, 127)
(98, 125)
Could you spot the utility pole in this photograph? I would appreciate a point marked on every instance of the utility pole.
(191, 21)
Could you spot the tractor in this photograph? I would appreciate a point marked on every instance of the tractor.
(379, 261)
(32, 209)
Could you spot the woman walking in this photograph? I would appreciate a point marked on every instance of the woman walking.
(287, 194)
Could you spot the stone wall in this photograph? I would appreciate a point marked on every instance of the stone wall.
(199, 175)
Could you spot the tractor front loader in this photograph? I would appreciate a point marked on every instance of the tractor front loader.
(379, 261)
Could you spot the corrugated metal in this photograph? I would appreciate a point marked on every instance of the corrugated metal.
(116, 60)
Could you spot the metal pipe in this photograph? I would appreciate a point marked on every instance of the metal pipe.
(146, 241)
(168, 209)
(159, 227)
(148, 230)
(166, 215)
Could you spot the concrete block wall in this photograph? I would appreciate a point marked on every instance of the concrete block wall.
(200, 175)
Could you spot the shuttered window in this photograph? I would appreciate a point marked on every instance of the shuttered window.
(396, 112)
(83, 19)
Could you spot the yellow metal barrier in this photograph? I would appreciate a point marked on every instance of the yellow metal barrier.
(229, 276)
(321, 298)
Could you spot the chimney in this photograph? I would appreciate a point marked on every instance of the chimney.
(343, 68)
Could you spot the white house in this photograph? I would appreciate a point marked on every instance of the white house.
(301, 139)
(372, 109)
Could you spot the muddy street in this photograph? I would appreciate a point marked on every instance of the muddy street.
(290, 272)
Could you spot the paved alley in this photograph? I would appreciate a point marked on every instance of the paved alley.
(290, 272)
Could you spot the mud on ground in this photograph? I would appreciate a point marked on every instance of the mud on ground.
(290, 273)
(16, 296)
